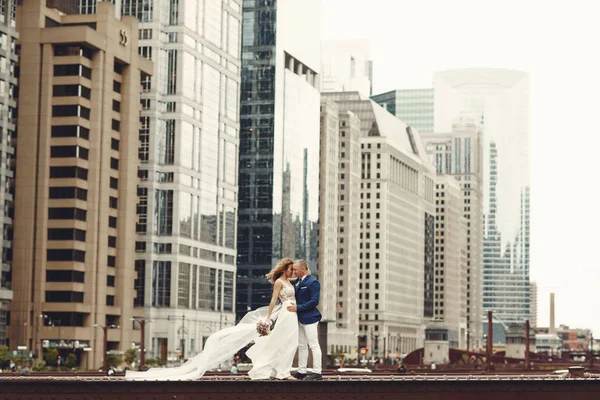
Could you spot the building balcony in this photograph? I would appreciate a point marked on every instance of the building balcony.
(6, 294)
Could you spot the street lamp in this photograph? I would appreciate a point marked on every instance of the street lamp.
(143, 346)
(105, 330)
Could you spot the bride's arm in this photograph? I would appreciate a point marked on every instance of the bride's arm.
(276, 289)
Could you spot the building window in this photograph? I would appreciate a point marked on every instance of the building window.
(70, 131)
(68, 192)
(69, 152)
(72, 70)
(117, 86)
(161, 283)
(66, 234)
(64, 276)
(111, 261)
(110, 300)
(114, 183)
(65, 255)
(116, 125)
(113, 202)
(112, 241)
(112, 222)
(114, 144)
(63, 296)
(110, 280)
(71, 111)
(114, 163)
(71, 90)
(69, 172)
(140, 282)
(67, 213)
(73, 50)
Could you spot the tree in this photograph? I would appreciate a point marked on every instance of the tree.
(71, 361)
(4, 356)
(51, 356)
(130, 356)
(114, 360)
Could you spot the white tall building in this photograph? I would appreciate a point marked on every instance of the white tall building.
(187, 212)
(396, 228)
(346, 67)
(499, 101)
(450, 281)
(459, 154)
(339, 228)
(534, 304)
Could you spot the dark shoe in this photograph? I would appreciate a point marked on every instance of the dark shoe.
(300, 376)
(314, 377)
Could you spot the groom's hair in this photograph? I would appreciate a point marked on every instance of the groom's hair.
(304, 265)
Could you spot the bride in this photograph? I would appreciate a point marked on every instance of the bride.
(272, 355)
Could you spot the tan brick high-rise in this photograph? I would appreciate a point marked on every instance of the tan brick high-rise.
(76, 180)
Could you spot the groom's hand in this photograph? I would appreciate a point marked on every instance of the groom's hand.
(292, 308)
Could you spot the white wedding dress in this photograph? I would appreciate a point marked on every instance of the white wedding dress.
(271, 355)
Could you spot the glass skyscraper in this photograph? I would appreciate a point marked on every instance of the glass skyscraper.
(412, 106)
(189, 137)
(499, 101)
(279, 143)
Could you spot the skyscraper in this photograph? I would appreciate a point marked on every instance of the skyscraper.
(279, 143)
(186, 228)
(189, 154)
(76, 181)
(412, 106)
(458, 154)
(534, 304)
(8, 105)
(450, 289)
(396, 230)
(339, 228)
(499, 101)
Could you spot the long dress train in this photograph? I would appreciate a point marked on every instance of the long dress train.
(276, 350)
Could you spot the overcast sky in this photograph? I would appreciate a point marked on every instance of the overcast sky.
(557, 43)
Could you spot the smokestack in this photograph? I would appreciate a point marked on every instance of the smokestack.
(552, 328)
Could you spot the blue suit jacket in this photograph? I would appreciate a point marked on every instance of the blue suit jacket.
(307, 299)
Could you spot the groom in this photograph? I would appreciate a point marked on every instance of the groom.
(308, 291)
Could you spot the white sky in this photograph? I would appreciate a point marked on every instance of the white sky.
(557, 43)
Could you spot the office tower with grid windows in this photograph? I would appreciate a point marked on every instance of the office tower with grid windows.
(458, 155)
(339, 229)
(279, 143)
(76, 181)
(450, 286)
(412, 106)
(396, 230)
(8, 105)
(498, 100)
(187, 213)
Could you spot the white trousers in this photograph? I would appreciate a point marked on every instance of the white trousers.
(308, 336)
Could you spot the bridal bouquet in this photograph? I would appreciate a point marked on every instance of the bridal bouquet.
(263, 328)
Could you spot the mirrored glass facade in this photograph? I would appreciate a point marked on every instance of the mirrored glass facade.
(279, 150)
(412, 106)
(498, 100)
(187, 210)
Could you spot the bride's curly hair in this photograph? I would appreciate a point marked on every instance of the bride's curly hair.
(276, 272)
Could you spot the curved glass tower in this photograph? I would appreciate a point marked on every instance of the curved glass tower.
(499, 100)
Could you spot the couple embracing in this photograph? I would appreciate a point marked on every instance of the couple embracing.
(296, 321)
